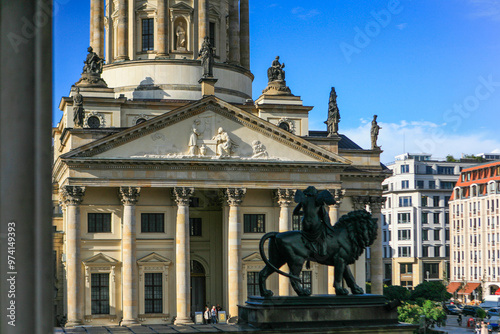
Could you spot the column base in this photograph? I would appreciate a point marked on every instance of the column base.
(183, 321)
(129, 322)
(73, 323)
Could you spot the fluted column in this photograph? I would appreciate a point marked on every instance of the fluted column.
(234, 32)
(129, 197)
(182, 257)
(162, 21)
(234, 263)
(337, 194)
(72, 197)
(244, 34)
(285, 200)
(97, 26)
(122, 31)
(376, 262)
(204, 23)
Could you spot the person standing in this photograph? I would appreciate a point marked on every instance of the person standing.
(214, 314)
(207, 315)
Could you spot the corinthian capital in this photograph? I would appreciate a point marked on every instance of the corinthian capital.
(181, 195)
(285, 196)
(376, 203)
(338, 195)
(235, 195)
(129, 195)
(72, 195)
(360, 202)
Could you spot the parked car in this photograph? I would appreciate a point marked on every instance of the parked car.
(470, 310)
(493, 312)
(452, 309)
(493, 323)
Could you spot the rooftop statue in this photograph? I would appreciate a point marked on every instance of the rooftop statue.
(276, 72)
(374, 132)
(78, 111)
(339, 245)
(207, 58)
(333, 114)
(93, 63)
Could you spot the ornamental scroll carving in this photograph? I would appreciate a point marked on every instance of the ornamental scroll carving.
(72, 195)
(285, 197)
(235, 196)
(129, 195)
(181, 195)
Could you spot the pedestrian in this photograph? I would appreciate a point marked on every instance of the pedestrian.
(218, 308)
(206, 315)
(214, 314)
(459, 320)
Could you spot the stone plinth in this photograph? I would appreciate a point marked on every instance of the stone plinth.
(358, 313)
(91, 80)
(277, 87)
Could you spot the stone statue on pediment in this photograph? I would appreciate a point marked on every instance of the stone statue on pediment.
(193, 139)
(78, 111)
(276, 72)
(333, 114)
(259, 150)
(93, 63)
(374, 132)
(224, 144)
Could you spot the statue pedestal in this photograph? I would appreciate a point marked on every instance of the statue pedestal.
(323, 314)
(207, 86)
(91, 80)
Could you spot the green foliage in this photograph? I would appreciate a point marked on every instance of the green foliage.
(396, 292)
(481, 313)
(472, 156)
(433, 290)
(451, 158)
(411, 313)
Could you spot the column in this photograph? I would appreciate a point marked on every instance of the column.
(234, 32)
(128, 196)
(359, 267)
(203, 21)
(234, 264)
(162, 49)
(245, 34)
(337, 194)
(376, 262)
(181, 196)
(97, 26)
(122, 31)
(72, 197)
(285, 200)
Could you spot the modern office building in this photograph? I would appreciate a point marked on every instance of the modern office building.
(169, 173)
(416, 231)
(475, 232)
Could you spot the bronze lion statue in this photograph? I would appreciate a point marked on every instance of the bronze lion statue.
(344, 243)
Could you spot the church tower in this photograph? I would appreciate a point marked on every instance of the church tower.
(157, 43)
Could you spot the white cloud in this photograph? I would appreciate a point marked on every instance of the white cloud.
(303, 14)
(485, 9)
(401, 26)
(422, 137)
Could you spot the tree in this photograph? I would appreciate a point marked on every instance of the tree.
(450, 158)
(396, 292)
(434, 290)
(411, 313)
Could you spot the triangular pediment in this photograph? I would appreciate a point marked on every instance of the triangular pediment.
(100, 259)
(145, 6)
(154, 258)
(206, 130)
(254, 257)
(181, 6)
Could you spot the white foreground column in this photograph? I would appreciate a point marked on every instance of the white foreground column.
(285, 200)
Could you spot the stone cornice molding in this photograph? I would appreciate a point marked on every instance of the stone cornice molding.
(129, 195)
(285, 197)
(220, 107)
(181, 195)
(72, 195)
(235, 196)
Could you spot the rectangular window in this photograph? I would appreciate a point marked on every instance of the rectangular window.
(406, 268)
(404, 251)
(424, 201)
(437, 251)
(388, 271)
(435, 200)
(447, 235)
(431, 270)
(152, 222)
(404, 218)
(447, 185)
(147, 34)
(99, 222)
(254, 223)
(407, 284)
(195, 227)
(419, 184)
(432, 184)
(99, 291)
(297, 222)
(405, 184)
(436, 235)
(436, 217)
(404, 201)
(212, 35)
(405, 169)
(428, 170)
(447, 218)
(425, 235)
(305, 280)
(153, 293)
(404, 234)
(446, 170)
(425, 218)
(425, 251)
(253, 283)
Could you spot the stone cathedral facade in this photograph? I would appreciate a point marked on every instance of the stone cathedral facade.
(165, 183)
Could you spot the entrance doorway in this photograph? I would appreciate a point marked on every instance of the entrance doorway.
(198, 287)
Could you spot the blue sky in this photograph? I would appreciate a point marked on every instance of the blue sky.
(430, 69)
